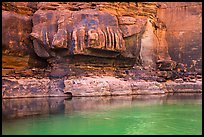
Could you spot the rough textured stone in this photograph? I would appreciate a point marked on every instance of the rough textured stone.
(98, 35)
(166, 65)
(16, 29)
(186, 87)
(98, 86)
(184, 31)
(16, 44)
(148, 46)
(125, 20)
(45, 41)
(131, 18)
(23, 8)
(87, 87)
(75, 31)
(92, 86)
(161, 79)
(31, 88)
(131, 29)
(146, 88)
(179, 80)
(58, 73)
(56, 87)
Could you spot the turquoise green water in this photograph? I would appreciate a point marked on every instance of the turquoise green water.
(174, 118)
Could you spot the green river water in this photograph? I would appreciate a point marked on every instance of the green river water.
(138, 115)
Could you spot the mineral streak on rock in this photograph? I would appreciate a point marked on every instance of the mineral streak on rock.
(16, 29)
(184, 31)
(75, 31)
(141, 41)
(119, 26)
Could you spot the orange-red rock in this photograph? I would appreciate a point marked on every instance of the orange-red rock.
(144, 31)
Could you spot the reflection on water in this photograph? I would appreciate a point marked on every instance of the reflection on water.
(139, 114)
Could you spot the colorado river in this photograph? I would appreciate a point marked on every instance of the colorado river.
(140, 115)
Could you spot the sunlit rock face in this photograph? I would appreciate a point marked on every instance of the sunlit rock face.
(16, 29)
(133, 33)
(17, 26)
(17, 47)
(91, 29)
(77, 32)
(151, 41)
(184, 31)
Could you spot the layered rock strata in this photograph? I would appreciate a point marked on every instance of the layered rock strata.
(131, 40)
(93, 86)
(102, 29)
(184, 32)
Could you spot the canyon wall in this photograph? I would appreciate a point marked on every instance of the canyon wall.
(102, 33)
(184, 31)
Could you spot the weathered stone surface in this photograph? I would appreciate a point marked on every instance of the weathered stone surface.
(179, 80)
(58, 73)
(162, 47)
(118, 35)
(98, 86)
(75, 31)
(186, 87)
(93, 86)
(52, 31)
(11, 63)
(166, 65)
(126, 20)
(17, 48)
(109, 86)
(184, 31)
(131, 17)
(44, 28)
(119, 87)
(148, 46)
(16, 29)
(56, 87)
(162, 74)
(31, 88)
(24, 8)
(166, 74)
(153, 43)
(146, 88)
(87, 87)
(131, 28)
(161, 79)
(24, 88)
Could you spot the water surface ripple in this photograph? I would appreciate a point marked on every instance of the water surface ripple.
(178, 114)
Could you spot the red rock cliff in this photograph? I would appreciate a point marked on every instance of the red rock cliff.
(184, 31)
(142, 32)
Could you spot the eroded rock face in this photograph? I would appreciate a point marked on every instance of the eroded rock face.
(75, 32)
(23, 8)
(184, 31)
(17, 26)
(17, 47)
(16, 29)
(140, 33)
(99, 29)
